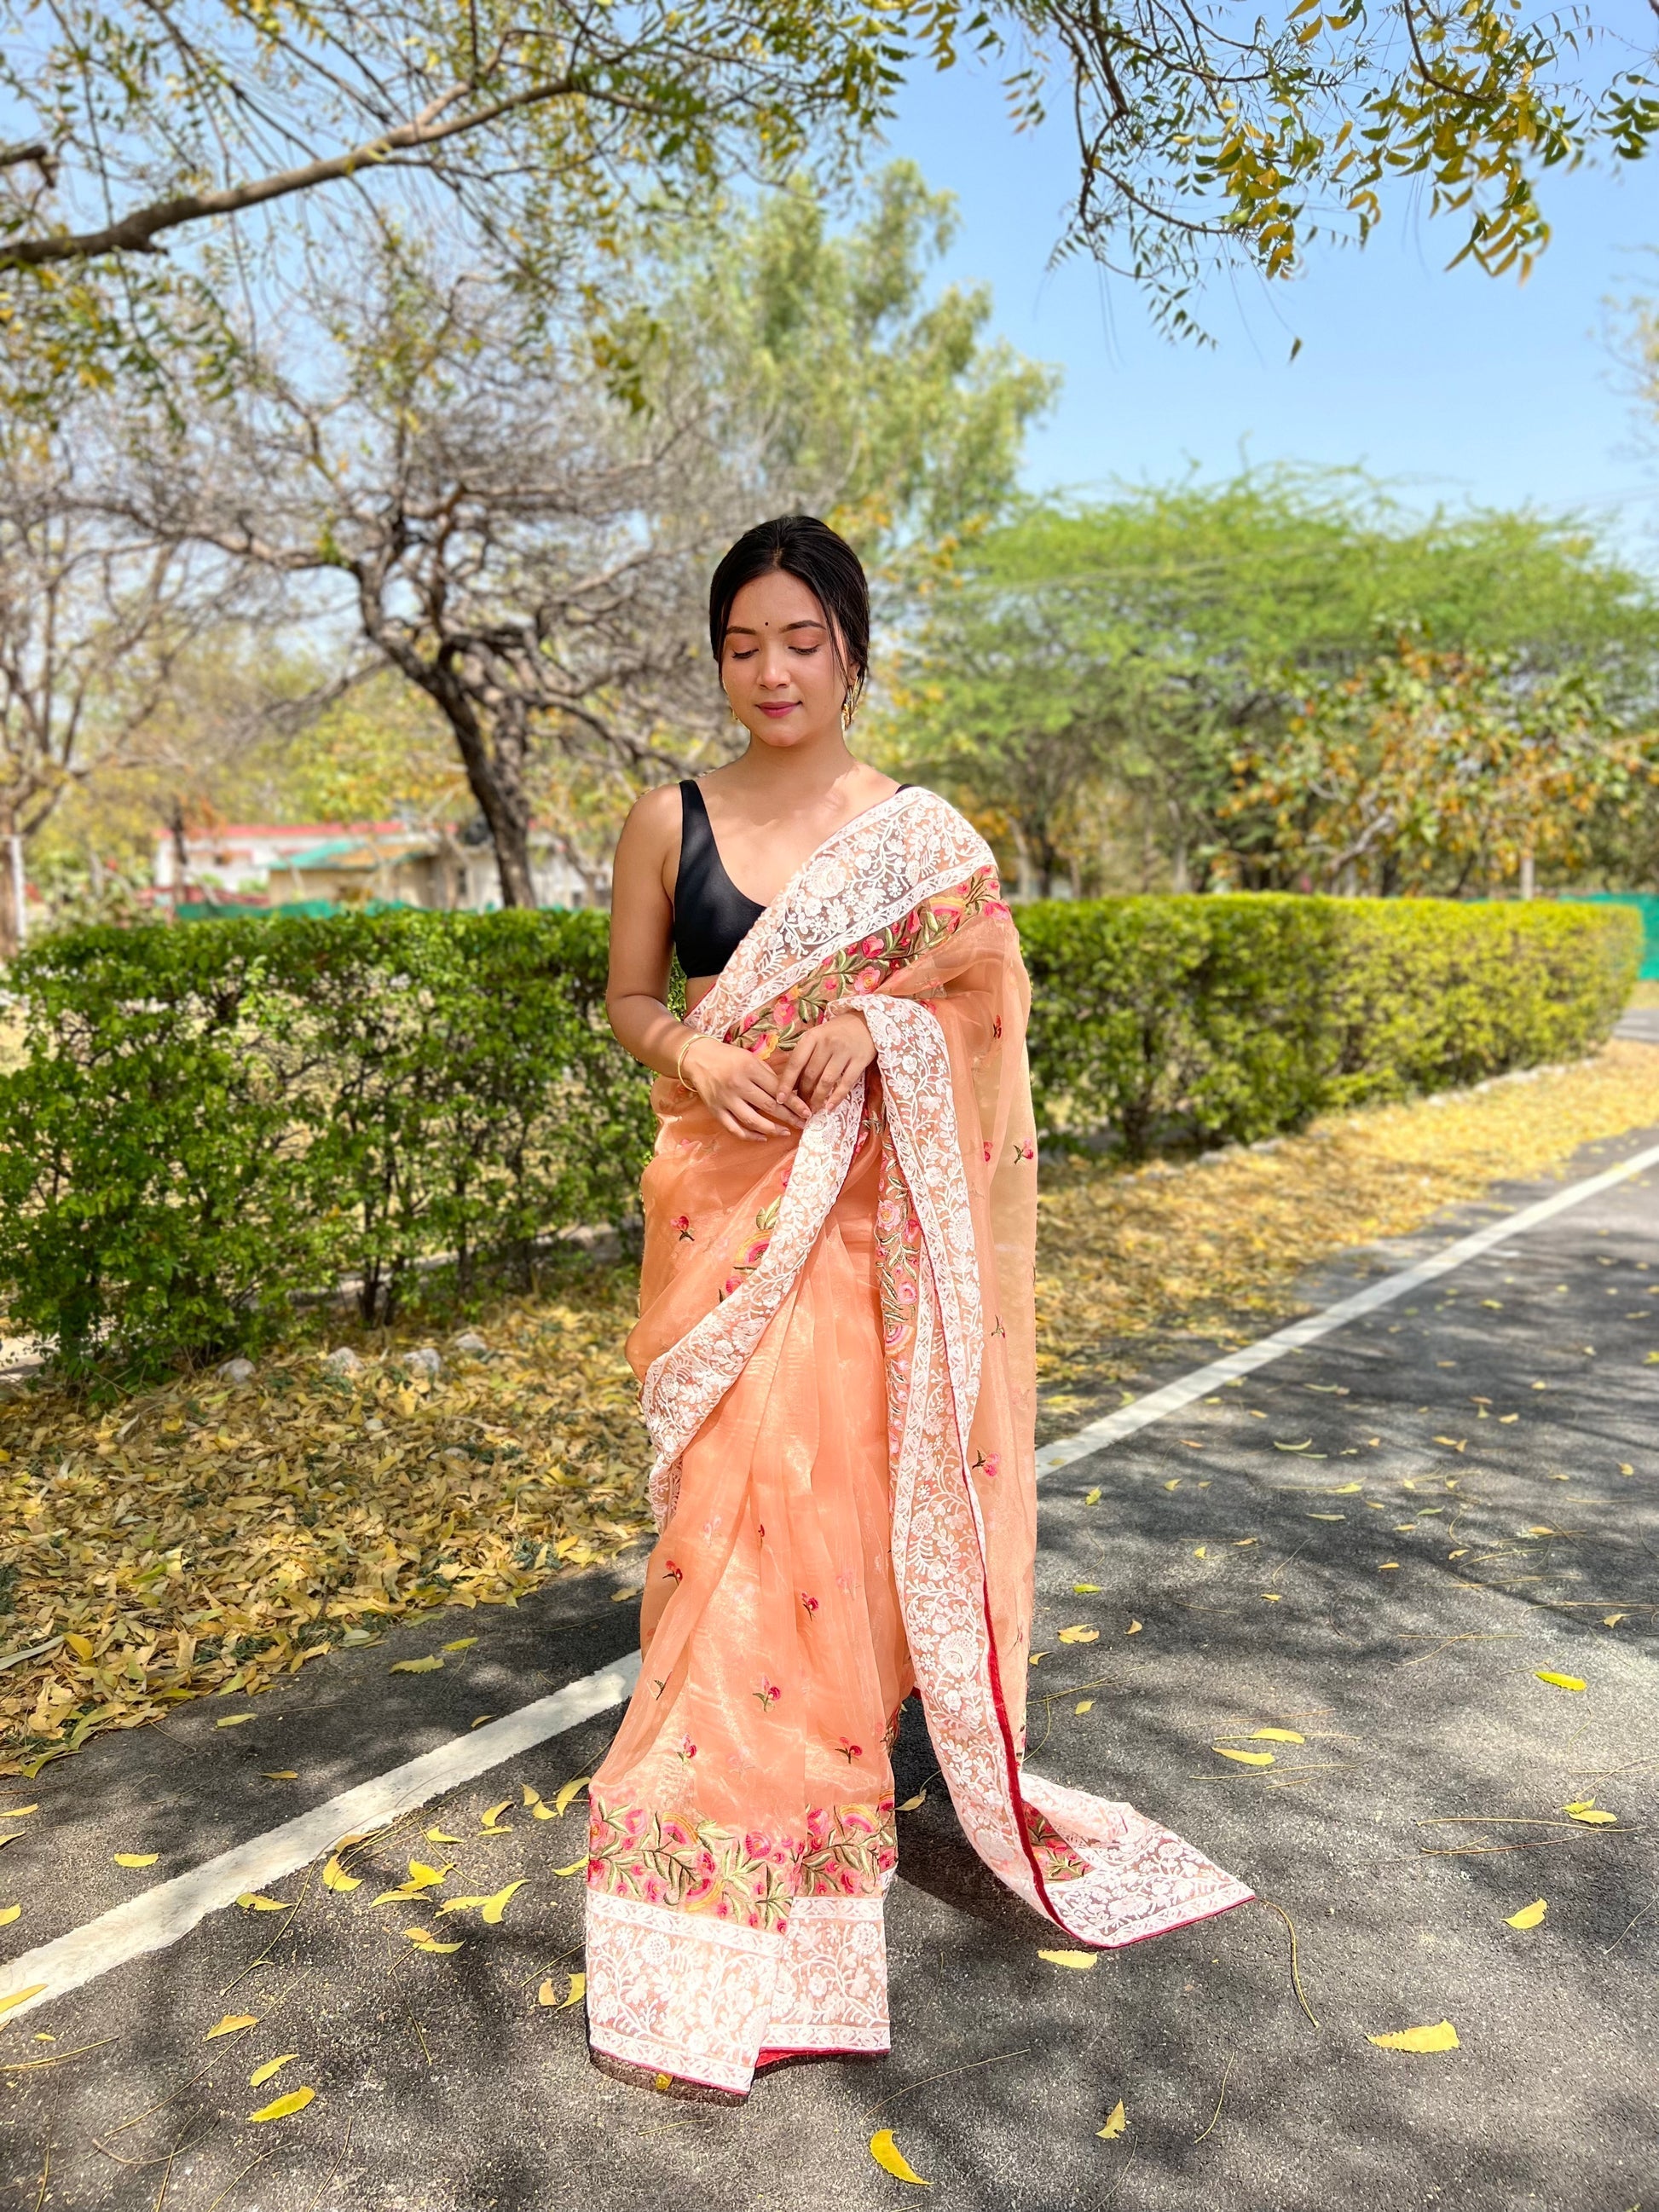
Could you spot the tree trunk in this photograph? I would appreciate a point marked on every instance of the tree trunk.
(496, 777)
(9, 879)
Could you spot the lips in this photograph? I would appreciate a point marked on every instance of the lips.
(787, 707)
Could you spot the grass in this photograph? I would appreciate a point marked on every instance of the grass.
(210, 1536)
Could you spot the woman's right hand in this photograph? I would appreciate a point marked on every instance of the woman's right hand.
(740, 1090)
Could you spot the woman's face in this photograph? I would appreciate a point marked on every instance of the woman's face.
(780, 665)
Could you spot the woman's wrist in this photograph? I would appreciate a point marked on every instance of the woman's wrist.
(695, 1037)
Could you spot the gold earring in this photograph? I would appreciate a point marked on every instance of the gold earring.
(846, 714)
(732, 711)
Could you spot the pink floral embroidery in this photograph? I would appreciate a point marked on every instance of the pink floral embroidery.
(767, 1695)
(672, 1573)
(682, 1225)
(986, 1463)
(811, 1603)
(850, 1750)
(687, 1750)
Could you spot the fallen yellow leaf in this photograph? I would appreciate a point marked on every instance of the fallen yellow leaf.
(232, 2024)
(21, 1996)
(279, 1774)
(1328, 1516)
(1560, 1681)
(1201, 1552)
(1611, 1619)
(1093, 1497)
(888, 2155)
(492, 1907)
(80, 1646)
(569, 1791)
(1083, 1705)
(435, 1835)
(336, 1877)
(18, 1811)
(235, 1720)
(1584, 1809)
(1528, 1916)
(576, 1992)
(1276, 1736)
(1174, 1483)
(8, 1913)
(1244, 1758)
(461, 1644)
(423, 1940)
(577, 1866)
(911, 1803)
(261, 2074)
(1085, 1589)
(1079, 1962)
(1133, 1629)
(294, 2101)
(1079, 1635)
(1442, 2036)
(1116, 2120)
(538, 1810)
(251, 1901)
(1302, 1446)
(489, 1822)
(136, 1858)
(427, 1666)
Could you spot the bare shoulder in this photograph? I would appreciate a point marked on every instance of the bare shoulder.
(654, 820)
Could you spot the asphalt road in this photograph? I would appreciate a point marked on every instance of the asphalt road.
(1375, 1544)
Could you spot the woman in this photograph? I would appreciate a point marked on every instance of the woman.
(835, 1347)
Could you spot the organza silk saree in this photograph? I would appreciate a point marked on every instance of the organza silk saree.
(835, 1347)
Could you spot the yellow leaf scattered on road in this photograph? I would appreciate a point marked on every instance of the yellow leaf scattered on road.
(911, 1803)
(532, 1798)
(235, 1720)
(18, 1811)
(136, 1858)
(1079, 1635)
(1442, 2036)
(1328, 1516)
(232, 2024)
(1201, 1552)
(491, 1822)
(252, 1901)
(424, 1940)
(1083, 1705)
(578, 1866)
(8, 1913)
(429, 1665)
(261, 2074)
(21, 1996)
(492, 1907)
(336, 1877)
(1585, 1809)
(436, 1835)
(1133, 1629)
(279, 1774)
(461, 1644)
(1560, 1681)
(1343, 1489)
(1276, 1736)
(294, 2101)
(1085, 1589)
(576, 1993)
(1528, 1916)
(1093, 1497)
(1244, 1758)
(569, 1791)
(1302, 1446)
(1079, 1962)
(888, 2155)
(1174, 1483)
(1116, 2120)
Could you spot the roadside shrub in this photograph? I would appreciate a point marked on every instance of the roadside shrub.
(210, 1119)
(1207, 1019)
(213, 1117)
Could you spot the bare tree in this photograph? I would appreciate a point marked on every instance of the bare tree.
(96, 614)
(512, 543)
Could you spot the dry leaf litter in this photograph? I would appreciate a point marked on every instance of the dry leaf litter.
(212, 1536)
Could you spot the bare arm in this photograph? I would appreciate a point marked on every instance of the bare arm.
(740, 1090)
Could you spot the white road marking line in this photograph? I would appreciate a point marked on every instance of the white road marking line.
(171, 1909)
(1185, 1389)
(160, 1916)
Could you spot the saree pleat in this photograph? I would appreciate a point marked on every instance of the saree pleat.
(836, 1350)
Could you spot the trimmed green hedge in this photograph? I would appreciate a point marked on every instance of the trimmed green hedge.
(215, 1115)
(213, 1118)
(1219, 1018)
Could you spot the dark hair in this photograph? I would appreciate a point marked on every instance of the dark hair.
(805, 548)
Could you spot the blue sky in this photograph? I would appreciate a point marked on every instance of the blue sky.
(1453, 386)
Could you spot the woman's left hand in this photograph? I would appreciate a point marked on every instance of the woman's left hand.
(826, 1063)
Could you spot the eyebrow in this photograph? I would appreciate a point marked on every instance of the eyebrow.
(741, 629)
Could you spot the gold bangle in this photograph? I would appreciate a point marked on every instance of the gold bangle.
(695, 1038)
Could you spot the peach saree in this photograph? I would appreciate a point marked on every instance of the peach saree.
(836, 1347)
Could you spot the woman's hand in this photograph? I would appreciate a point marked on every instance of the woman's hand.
(743, 1093)
(826, 1064)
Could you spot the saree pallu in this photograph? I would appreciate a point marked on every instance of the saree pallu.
(836, 1354)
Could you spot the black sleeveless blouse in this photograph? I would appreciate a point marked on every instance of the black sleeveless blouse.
(712, 916)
